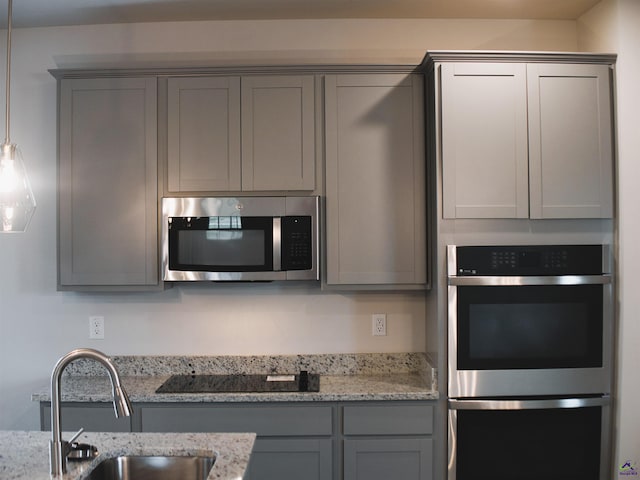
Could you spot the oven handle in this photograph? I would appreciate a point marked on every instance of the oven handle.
(528, 404)
(515, 281)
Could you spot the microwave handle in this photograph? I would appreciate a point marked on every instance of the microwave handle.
(277, 244)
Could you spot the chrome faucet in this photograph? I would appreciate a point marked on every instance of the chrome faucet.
(58, 448)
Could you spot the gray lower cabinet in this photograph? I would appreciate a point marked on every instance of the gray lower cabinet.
(93, 417)
(294, 441)
(300, 440)
(384, 442)
(107, 183)
(375, 181)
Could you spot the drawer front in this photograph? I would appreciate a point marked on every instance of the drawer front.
(388, 420)
(92, 417)
(260, 419)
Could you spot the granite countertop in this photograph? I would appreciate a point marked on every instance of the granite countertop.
(363, 377)
(25, 455)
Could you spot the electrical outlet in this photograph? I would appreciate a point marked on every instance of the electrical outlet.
(379, 324)
(96, 327)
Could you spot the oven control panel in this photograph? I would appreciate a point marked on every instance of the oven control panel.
(529, 260)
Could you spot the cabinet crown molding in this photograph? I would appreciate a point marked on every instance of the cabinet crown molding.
(436, 56)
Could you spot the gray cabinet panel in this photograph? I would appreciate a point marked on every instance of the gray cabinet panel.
(278, 133)
(264, 420)
(107, 182)
(255, 133)
(388, 458)
(93, 418)
(570, 141)
(203, 133)
(291, 459)
(484, 140)
(526, 140)
(375, 180)
(388, 420)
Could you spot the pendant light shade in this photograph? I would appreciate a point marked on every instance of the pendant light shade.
(17, 202)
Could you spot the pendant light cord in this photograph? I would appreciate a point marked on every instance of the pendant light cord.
(7, 84)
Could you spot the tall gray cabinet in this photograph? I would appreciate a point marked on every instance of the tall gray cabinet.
(375, 181)
(108, 183)
(525, 136)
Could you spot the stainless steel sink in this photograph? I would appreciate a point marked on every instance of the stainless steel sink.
(133, 467)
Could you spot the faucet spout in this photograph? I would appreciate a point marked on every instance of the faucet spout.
(58, 448)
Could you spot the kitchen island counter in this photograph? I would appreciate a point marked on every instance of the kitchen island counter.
(25, 455)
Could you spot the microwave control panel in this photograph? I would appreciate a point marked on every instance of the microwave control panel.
(297, 247)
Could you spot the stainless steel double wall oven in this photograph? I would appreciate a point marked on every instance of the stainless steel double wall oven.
(530, 332)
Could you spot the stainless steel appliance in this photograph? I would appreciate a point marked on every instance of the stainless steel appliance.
(529, 439)
(240, 238)
(529, 362)
(529, 320)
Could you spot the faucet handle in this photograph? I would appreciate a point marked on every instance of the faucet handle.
(75, 436)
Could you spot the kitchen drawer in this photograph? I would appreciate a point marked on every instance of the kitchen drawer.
(272, 420)
(388, 419)
(93, 417)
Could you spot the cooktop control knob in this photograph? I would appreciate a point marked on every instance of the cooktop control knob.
(303, 381)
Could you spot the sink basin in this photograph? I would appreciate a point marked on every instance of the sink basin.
(131, 467)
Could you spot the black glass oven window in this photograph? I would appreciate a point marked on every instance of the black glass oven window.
(553, 444)
(231, 244)
(529, 327)
(221, 247)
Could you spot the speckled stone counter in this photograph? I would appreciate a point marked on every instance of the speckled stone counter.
(25, 455)
(357, 377)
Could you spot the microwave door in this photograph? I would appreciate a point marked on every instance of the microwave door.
(222, 248)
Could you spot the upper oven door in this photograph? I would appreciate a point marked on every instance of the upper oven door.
(520, 336)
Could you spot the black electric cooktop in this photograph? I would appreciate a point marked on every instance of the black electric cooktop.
(238, 383)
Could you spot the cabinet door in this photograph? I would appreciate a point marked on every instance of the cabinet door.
(570, 141)
(375, 180)
(291, 459)
(107, 182)
(484, 140)
(386, 458)
(278, 133)
(203, 134)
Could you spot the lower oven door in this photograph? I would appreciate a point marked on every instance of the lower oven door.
(550, 439)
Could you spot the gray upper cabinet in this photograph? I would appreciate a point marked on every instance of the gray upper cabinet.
(375, 181)
(526, 140)
(570, 141)
(108, 183)
(278, 133)
(484, 140)
(203, 134)
(250, 133)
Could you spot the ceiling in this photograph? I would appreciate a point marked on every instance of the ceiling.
(36, 13)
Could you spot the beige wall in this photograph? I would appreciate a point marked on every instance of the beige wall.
(38, 324)
(613, 25)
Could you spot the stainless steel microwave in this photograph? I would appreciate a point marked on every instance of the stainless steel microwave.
(240, 238)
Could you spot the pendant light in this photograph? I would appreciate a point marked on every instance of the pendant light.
(17, 202)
